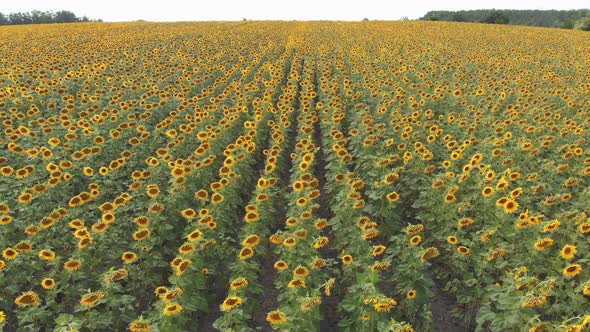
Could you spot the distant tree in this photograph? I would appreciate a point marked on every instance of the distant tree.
(459, 17)
(569, 24)
(19, 18)
(495, 17)
(39, 17)
(365, 19)
(541, 18)
(583, 23)
(404, 18)
(64, 16)
(42, 17)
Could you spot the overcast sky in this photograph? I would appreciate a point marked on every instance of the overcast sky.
(199, 10)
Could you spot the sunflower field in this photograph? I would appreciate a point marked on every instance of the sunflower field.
(294, 176)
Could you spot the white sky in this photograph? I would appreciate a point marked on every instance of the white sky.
(199, 10)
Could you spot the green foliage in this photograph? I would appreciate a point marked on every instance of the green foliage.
(583, 23)
(542, 18)
(42, 17)
(496, 17)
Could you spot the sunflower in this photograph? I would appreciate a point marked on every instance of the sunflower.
(195, 236)
(32, 230)
(321, 242)
(502, 184)
(251, 216)
(172, 309)
(117, 275)
(393, 197)
(9, 254)
(160, 291)
(411, 294)
(302, 201)
(201, 195)
(6, 171)
(230, 303)
(142, 221)
(452, 240)
(187, 248)
(246, 253)
(310, 303)
(300, 272)
(72, 264)
(251, 241)
(188, 214)
(516, 193)
(128, 257)
(238, 283)
(83, 243)
(141, 234)
(539, 328)
(276, 317)
(463, 250)
(170, 295)
(290, 242)
(27, 299)
(275, 239)
(450, 198)
(48, 283)
(140, 326)
(380, 266)
(429, 253)
(182, 266)
(281, 265)
(501, 201)
(76, 224)
(415, 240)
(572, 270)
(217, 198)
(262, 198)
(25, 198)
(544, 244)
(378, 250)
(370, 234)
(487, 191)
(347, 259)
(535, 301)
(586, 290)
(510, 206)
(384, 305)
(568, 252)
(23, 246)
(91, 299)
(103, 171)
(5, 220)
(46, 255)
(464, 222)
(156, 208)
(291, 222)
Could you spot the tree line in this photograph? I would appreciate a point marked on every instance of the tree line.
(42, 17)
(566, 19)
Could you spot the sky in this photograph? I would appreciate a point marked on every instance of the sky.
(232, 10)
